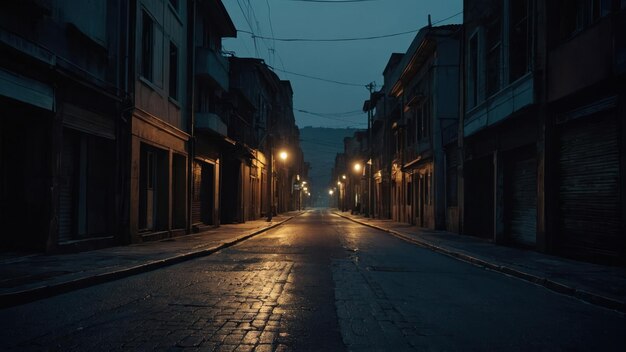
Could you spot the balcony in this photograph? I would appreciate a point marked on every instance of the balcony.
(208, 121)
(212, 65)
(500, 106)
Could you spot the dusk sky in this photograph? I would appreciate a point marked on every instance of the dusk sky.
(354, 62)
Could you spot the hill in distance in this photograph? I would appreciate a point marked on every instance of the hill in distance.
(320, 145)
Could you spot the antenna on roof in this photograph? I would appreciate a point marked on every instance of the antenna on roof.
(429, 22)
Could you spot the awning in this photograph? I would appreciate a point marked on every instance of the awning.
(26, 90)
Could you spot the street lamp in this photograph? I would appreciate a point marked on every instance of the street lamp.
(330, 192)
(343, 177)
(357, 167)
(283, 155)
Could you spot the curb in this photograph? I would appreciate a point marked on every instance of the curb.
(12, 299)
(589, 297)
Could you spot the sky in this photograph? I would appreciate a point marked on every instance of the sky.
(320, 103)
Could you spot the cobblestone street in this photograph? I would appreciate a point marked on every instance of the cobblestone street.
(320, 283)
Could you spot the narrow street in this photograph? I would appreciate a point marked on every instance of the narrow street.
(320, 283)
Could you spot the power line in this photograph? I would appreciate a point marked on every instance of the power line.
(269, 17)
(317, 78)
(337, 114)
(333, 1)
(338, 119)
(245, 17)
(345, 39)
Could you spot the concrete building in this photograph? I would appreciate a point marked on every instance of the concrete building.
(210, 112)
(501, 144)
(62, 101)
(427, 88)
(159, 130)
(584, 123)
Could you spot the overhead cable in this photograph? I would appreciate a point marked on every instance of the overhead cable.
(344, 39)
(317, 78)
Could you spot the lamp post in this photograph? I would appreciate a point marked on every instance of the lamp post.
(283, 155)
(358, 169)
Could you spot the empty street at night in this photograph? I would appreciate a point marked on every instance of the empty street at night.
(317, 282)
(313, 175)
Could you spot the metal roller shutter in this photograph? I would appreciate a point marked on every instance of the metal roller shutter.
(66, 190)
(524, 202)
(589, 201)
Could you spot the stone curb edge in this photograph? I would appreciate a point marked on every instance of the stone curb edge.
(12, 299)
(552, 285)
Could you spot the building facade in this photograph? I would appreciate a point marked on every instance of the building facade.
(426, 89)
(62, 97)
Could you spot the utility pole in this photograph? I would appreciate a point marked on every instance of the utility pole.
(371, 86)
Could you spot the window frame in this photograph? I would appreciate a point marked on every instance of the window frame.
(147, 46)
(173, 84)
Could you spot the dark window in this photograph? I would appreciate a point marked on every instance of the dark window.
(173, 71)
(147, 46)
(518, 39)
(209, 38)
(494, 45)
(574, 15)
(472, 93)
(410, 138)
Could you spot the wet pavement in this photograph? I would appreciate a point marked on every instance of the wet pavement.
(602, 285)
(24, 278)
(315, 283)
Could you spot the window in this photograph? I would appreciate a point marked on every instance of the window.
(209, 38)
(494, 45)
(173, 71)
(472, 88)
(410, 138)
(147, 46)
(518, 39)
(575, 15)
(424, 121)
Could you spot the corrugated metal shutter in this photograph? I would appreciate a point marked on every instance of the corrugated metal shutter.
(451, 176)
(66, 190)
(196, 203)
(589, 171)
(524, 202)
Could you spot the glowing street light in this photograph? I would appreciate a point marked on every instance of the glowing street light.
(338, 183)
(283, 155)
(330, 192)
(343, 177)
(357, 167)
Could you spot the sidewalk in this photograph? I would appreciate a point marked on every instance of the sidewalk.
(27, 278)
(596, 284)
